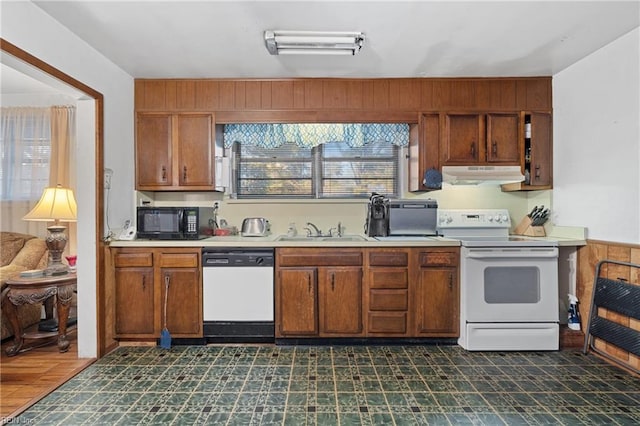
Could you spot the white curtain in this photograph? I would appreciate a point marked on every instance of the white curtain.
(61, 167)
(24, 165)
(37, 149)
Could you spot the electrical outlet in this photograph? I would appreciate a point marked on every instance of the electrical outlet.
(107, 178)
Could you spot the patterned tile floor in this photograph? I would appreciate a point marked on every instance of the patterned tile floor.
(341, 385)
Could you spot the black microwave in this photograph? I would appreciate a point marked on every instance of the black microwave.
(175, 223)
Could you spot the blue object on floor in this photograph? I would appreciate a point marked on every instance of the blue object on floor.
(165, 336)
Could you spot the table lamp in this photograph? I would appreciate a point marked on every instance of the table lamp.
(58, 205)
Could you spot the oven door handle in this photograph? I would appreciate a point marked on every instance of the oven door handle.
(528, 253)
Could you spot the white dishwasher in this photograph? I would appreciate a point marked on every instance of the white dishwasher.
(237, 294)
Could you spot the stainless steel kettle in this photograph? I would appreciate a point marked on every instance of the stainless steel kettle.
(255, 227)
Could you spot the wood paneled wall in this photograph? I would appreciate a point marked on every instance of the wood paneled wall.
(588, 257)
(334, 99)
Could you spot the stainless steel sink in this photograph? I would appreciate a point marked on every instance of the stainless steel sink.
(326, 238)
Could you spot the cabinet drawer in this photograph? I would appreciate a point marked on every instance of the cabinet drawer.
(388, 258)
(439, 259)
(297, 257)
(388, 322)
(388, 278)
(388, 300)
(179, 260)
(125, 260)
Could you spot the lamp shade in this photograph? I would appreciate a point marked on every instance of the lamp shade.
(56, 204)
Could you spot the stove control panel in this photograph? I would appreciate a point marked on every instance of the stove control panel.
(469, 219)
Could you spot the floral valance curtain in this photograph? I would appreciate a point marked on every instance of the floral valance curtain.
(309, 135)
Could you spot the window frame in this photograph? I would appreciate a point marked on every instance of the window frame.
(317, 160)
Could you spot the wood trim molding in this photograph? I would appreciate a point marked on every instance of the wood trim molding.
(344, 95)
(7, 47)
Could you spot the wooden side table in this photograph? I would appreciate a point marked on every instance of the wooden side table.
(21, 291)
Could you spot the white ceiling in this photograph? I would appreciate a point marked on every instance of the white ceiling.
(187, 39)
(224, 39)
(15, 82)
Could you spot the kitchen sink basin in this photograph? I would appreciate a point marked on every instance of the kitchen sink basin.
(326, 238)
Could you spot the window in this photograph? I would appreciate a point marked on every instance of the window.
(285, 171)
(25, 151)
(357, 171)
(329, 170)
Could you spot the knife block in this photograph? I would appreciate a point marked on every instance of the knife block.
(525, 228)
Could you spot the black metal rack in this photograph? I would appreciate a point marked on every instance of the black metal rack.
(620, 297)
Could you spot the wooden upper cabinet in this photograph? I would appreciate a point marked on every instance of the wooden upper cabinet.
(541, 161)
(195, 150)
(502, 138)
(464, 139)
(153, 150)
(536, 158)
(480, 138)
(174, 151)
(424, 150)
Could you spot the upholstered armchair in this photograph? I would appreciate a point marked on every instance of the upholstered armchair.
(20, 252)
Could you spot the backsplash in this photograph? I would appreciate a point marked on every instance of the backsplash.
(350, 213)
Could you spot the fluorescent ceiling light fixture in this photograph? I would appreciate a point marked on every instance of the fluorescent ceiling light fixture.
(313, 42)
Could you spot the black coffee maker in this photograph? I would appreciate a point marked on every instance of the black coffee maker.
(377, 224)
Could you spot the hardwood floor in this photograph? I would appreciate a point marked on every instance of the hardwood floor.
(30, 376)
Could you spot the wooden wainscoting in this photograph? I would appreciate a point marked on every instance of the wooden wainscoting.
(588, 257)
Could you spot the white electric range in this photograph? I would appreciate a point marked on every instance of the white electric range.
(508, 284)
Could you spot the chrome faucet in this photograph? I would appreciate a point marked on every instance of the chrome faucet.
(338, 229)
(315, 228)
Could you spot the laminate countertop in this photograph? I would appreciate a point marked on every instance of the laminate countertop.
(347, 241)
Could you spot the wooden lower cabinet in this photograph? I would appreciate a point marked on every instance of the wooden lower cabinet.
(437, 294)
(141, 277)
(318, 292)
(378, 292)
(340, 300)
(297, 302)
(388, 292)
(134, 297)
(183, 315)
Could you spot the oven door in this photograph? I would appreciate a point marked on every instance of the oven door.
(509, 284)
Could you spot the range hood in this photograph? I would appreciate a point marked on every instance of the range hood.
(481, 175)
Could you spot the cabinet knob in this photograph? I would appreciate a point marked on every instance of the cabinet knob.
(144, 282)
(333, 282)
(309, 283)
(494, 148)
(184, 173)
(537, 174)
(473, 148)
(450, 282)
(164, 173)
